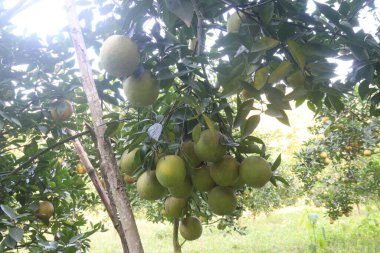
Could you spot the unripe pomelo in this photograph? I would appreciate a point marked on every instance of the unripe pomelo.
(222, 200)
(202, 179)
(209, 148)
(127, 162)
(148, 186)
(225, 172)
(61, 110)
(255, 171)
(188, 154)
(171, 171)
(142, 91)
(174, 206)
(190, 228)
(182, 190)
(119, 56)
(45, 210)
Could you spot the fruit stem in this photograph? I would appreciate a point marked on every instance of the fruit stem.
(176, 245)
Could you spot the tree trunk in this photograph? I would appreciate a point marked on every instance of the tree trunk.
(99, 188)
(110, 172)
(176, 245)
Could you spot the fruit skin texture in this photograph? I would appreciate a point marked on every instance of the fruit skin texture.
(61, 110)
(327, 161)
(171, 171)
(323, 155)
(222, 200)
(141, 91)
(45, 210)
(208, 148)
(174, 207)
(202, 179)
(148, 186)
(367, 152)
(255, 171)
(119, 56)
(182, 190)
(188, 153)
(234, 22)
(190, 228)
(225, 172)
(126, 162)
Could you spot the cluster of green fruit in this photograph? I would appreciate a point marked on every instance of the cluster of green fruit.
(201, 165)
(120, 57)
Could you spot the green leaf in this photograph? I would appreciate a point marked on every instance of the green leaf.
(329, 12)
(263, 44)
(155, 131)
(16, 233)
(280, 72)
(113, 128)
(242, 113)
(261, 77)
(266, 12)
(281, 179)
(209, 122)
(276, 163)
(196, 133)
(298, 53)
(183, 9)
(8, 211)
(249, 125)
(318, 50)
(336, 103)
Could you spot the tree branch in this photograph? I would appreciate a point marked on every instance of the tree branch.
(98, 186)
(110, 172)
(200, 34)
(176, 245)
(25, 164)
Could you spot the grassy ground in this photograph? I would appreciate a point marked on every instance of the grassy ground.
(287, 231)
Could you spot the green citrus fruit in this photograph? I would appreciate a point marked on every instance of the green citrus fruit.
(45, 210)
(190, 228)
(188, 154)
(174, 206)
(234, 22)
(141, 91)
(222, 200)
(225, 172)
(127, 162)
(255, 171)
(171, 171)
(148, 186)
(202, 179)
(119, 56)
(209, 148)
(182, 190)
(61, 110)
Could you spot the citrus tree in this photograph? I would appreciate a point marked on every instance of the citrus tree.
(180, 90)
(340, 166)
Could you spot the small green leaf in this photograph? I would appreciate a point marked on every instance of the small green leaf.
(266, 12)
(249, 126)
(242, 113)
(183, 9)
(196, 133)
(298, 53)
(113, 128)
(16, 233)
(281, 179)
(276, 163)
(329, 12)
(261, 77)
(8, 211)
(263, 44)
(209, 122)
(280, 72)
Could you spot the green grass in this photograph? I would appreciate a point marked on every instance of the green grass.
(287, 230)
